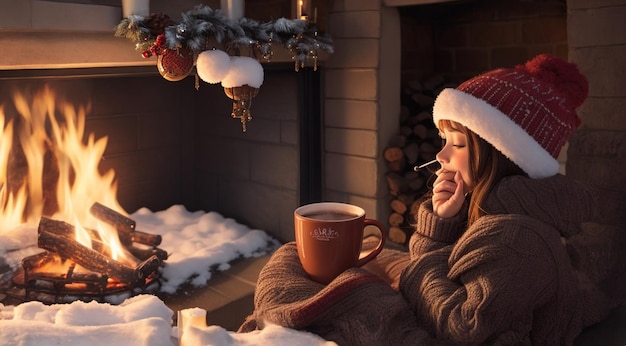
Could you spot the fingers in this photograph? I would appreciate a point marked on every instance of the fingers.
(445, 182)
(458, 196)
(448, 196)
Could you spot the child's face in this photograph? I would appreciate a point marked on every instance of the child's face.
(454, 156)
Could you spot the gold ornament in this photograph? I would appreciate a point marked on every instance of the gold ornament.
(242, 100)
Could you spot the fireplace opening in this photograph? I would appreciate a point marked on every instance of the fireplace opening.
(444, 44)
(167, 143)
(50, 175)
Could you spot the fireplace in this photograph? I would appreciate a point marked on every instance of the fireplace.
(167, 143)
(257, 177)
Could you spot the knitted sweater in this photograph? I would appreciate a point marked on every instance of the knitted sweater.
(357, 308)
(507, 279)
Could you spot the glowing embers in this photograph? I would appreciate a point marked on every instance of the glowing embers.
(69, 270)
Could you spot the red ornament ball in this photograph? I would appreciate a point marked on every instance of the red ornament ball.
(175, 64)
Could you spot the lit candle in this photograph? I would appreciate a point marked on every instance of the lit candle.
(232, 8)
(136, 7)
(299, 9)
(190, 318)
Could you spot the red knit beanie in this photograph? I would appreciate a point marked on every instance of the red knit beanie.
(527, 112)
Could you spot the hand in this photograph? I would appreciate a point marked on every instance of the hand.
(448, 196)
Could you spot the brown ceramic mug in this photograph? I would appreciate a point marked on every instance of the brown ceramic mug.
(329, 238)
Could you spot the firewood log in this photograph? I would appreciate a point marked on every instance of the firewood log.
(406, 130)
(421, 131)
(417, 184)
(397, 166)
(124, 225)
(398, 206)
(397, 183)
(397, 235)
(411, 152)
(396, 219)
(427, 150)
(418, 139)
(425, 117)
(392, 154)
(397, 140)
(68, 248)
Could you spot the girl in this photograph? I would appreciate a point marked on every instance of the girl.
(488, 263)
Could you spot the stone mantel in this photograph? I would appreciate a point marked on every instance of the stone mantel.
(45, 49)
(39, 49)
(44, 34)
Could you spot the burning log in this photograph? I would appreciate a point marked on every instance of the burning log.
(95, 261)
(144, 254)
(66, 230)
(32, 264)
(70, 269)
(36, 261)
(126, 228)
(57, 237)
(124, 225)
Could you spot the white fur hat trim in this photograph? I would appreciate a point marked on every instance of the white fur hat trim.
(496, 128)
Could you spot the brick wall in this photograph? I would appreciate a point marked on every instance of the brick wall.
(462, 39)
(252, 176)
(361, 97)
(597, 153)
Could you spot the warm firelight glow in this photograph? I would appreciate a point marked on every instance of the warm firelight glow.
(51, 136)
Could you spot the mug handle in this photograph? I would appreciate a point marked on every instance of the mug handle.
(381, 244)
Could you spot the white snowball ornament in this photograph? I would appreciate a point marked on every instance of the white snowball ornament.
(213, 65)
(243, 70)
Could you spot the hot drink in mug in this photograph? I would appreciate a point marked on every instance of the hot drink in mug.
(329, 238)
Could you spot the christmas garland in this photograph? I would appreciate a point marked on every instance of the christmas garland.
(191, 42)
(202, 27)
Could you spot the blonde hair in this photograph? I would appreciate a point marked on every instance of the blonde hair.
(487, 167)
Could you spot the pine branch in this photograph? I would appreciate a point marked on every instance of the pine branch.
(199, 27)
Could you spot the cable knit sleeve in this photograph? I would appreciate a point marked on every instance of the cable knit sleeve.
(489, 285)
(434, 232)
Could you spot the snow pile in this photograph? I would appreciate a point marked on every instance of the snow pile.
(140, 320)
(143, 320)
(197, 243)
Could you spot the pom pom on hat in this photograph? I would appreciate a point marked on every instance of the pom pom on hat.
(527, 112)
(564, 76)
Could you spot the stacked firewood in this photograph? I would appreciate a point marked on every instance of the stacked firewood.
(416, 142)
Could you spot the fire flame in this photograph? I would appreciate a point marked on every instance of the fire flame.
(49, 137)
